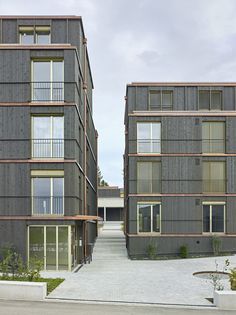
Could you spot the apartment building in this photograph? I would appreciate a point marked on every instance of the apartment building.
(180, 167)
(111, 203)
(48, 142)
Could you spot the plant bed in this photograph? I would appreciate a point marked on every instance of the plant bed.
(51, 283)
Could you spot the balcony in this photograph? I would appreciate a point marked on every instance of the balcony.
(48, 205)
(214, 186)
(48, 148)
(47, 91)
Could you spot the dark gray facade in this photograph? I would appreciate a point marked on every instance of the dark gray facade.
(179, 164)
(47, 181)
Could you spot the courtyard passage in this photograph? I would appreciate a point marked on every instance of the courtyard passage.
(113, 277)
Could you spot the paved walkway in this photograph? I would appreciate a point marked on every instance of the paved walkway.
(113, 277)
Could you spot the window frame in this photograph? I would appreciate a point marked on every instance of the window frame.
(151, 180)
(214, 203)
(211, 138)
(211, 91)
(35, 29)
(51, 81)
(50, 175)
(152, 204)
(161, 91)
(210, 178)
(51, 136)
(151, 139)
(69, 227)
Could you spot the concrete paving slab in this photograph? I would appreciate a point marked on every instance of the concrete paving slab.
(113, 277)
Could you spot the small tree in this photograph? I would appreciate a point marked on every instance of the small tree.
(12, 263)
(101, 181)
(152, 249)
(216, 244)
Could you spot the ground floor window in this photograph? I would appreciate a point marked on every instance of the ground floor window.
(149, 217)
(213, 217)
(52, 245)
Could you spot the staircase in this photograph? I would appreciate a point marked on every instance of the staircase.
(110, 245)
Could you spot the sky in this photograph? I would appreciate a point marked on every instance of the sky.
(143, 40)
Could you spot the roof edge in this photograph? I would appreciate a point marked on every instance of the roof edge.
(182, 84)
(41, 17)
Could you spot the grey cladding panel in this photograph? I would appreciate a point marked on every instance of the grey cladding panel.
(181, 175)
(231, 135)
(229, 98)
(231, 175)
(192, 98)
(179, 98)
(59, 32)
(74, 32)
(141, 98)
(9, 32)
(181, 135)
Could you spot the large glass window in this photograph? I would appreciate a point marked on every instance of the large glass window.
(47, 80)
(29, 35)
(36, 244)
(213, 218)
(149, 218)
(48, 136)
(210, 100)
(161, 100)
(48, 196)
(51, 245)
(213, 137)
(149, 137)
(214, 177)
(149, 177)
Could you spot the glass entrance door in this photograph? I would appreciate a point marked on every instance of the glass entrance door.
(52, 245)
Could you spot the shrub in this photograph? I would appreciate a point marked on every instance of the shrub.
(12, 263)
(183, 251)
(216, 244)
(152, 250)
(232, 278)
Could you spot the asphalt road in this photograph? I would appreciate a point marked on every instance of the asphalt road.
(68, 308)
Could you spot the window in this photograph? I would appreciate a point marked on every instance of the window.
(47, 80)
(210, 99)
(29, 35)
(213, 218)
(48, 136)
(148, 177)
(149, 137)
(160, 100)
(51, 245)
(213, 137)
(149, 218)
(47, 192)
(214, 177)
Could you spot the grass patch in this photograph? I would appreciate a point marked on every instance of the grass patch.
(51, 283)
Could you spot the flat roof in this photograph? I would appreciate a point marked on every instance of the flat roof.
(41, 17)
(182, 84)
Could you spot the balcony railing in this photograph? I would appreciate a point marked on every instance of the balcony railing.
(213, 145)
(148, 186)
(48, 205)
(47, 148)
(149, 145)
(47, 91)
(213, 186)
